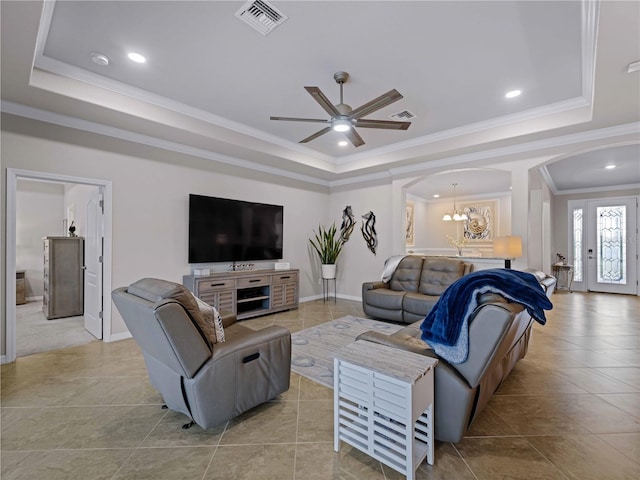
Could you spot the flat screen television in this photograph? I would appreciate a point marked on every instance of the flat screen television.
(225, 230)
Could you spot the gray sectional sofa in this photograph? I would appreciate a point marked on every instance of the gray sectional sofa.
(499, 333)
(414, 284)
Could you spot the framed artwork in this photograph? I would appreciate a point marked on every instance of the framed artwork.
(409, 238)
(482, 223)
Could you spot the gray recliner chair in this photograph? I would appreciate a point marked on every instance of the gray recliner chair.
(209, 384)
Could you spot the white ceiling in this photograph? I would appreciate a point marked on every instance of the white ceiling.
(211, 82)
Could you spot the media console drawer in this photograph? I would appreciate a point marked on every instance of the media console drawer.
(213, 284)
(253, 281)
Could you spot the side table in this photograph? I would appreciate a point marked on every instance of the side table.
(564, 275)
(383, 404)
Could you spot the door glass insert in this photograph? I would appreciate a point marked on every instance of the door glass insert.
(611, 259)
(577, 245)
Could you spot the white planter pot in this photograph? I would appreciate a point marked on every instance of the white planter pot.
(329, 270)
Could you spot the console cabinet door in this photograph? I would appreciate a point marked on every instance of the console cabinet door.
(284, 292)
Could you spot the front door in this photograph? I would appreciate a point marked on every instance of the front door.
(93, 266)
(611, 245)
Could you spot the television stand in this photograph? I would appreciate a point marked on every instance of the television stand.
(247, 293)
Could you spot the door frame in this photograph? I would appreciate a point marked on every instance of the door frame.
(13, 175)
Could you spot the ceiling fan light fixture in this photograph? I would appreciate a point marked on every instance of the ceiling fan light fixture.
(340, 125)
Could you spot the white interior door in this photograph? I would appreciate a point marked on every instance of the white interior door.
(93, 256)
(611, 245)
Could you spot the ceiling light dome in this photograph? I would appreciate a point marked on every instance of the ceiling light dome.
(340, 125)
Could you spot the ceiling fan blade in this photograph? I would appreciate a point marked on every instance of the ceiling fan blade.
(293, 119)
(316, 135)
(383, 124)
(354, 138)
(376, 104)
(324, 102)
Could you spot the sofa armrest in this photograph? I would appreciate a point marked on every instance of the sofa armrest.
(399, 340)
(374, 285)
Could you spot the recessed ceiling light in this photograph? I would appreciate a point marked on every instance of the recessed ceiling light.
(136, 57)
(610, 167)
(100, 59)
(633, 67)
(343, 143)
(436, 195)
(513, 94)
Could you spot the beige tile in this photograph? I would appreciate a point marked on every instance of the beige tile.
(448, 465)
(489, 424)
(594, 382)
(167, 463)
(310, 390)
(537, 415)
(626, 443)
(628, 402)
(169, 433)
(273, 422)
(586, 457)
(600, 416)
(249, 462)
(506, 458)
(65, 464)
(543, 383)
(318, 461)
(628, 375)
(315, 421)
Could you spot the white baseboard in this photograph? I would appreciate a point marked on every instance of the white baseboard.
(339, 295)
(3, 359)
(117, 337)
(33, 299)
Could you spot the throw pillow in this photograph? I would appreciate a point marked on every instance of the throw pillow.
(212, 322)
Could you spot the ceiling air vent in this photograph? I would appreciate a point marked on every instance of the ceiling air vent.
(261, 15)
(403, 115)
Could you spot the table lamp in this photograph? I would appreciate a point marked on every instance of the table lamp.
(509, 247)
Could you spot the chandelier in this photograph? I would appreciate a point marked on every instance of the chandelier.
(456, 215)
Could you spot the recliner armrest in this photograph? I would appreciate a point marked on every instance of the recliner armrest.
(241, 341)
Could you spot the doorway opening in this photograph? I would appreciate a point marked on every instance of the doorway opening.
(100, 189)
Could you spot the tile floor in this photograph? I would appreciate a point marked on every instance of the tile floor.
(569, 410)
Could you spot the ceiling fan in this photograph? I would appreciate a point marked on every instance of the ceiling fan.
(344, 118)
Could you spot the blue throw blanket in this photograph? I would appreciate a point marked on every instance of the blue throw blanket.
(446, 327)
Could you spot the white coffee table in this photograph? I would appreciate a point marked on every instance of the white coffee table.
(383, 404)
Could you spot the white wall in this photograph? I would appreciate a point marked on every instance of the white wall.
(357, 264)
(150, 204)
(39, 213)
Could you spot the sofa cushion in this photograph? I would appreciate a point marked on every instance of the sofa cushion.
(407, 275)
(438, 274)
(418, 303)
(385, 298)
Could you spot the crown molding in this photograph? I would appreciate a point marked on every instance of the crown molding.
(121, 134)
(574, 191)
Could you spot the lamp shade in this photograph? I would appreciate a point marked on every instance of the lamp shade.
(507, 247)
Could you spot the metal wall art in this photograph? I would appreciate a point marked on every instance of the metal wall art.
(348, 223)
(369, 231)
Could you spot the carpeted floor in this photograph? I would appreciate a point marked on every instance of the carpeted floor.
(313, 349)
(34, 333)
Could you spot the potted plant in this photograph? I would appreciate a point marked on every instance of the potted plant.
(328, 244)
